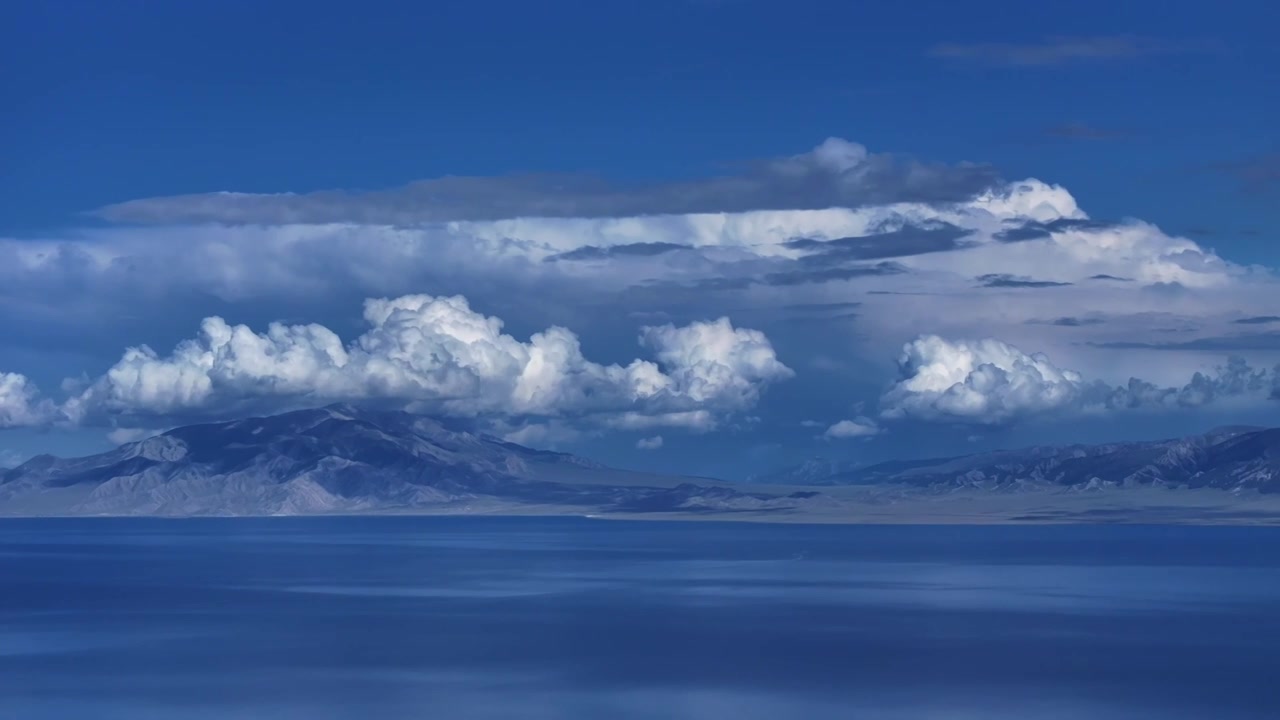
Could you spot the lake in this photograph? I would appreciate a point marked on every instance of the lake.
(455, 617)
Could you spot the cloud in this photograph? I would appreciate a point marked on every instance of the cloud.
(11, 459)
(64, 291)
(641, 249)
(860, 427)
(20, 402)
(862, 279)
(695, 420)
(1069, 321)
(1056, 50)
(121, 436)
(819, 307)
(72, 292)
(714, 362)
(985, 381)
(821, 275)
(837, 173)
(1034, 230)
(1246, 341)
(1004, 280)
(991, 382)
(1258, 320)
(649, 443)
(549, 433)
(909, 240)
(440, 354)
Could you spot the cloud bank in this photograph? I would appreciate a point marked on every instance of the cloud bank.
(856, 257)
(837, 173)
(990, 382)
(436, 352)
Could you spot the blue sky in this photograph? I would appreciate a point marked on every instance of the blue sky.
(1160, 112)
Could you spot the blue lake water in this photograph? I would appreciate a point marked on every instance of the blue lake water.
(466, 618)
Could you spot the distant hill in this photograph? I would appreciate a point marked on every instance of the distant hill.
(342, 459)
(1229, 458)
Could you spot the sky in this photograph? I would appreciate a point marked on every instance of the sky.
(698, 236)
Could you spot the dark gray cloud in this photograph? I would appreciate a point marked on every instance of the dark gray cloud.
(1250, 341)
(1035, 230)
(835, 174)
(905, 241)
(1070, 321)
(822, 275)
(1001, 280)
(1110, 277)
(821, 307)
(1258, 320)
(1056, 50)
(776, 273)
(642, 249)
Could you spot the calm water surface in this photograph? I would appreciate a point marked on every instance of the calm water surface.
(467, 618)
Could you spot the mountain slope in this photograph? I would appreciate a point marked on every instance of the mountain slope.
(342, 459)
(1232, 458)
(336, 459)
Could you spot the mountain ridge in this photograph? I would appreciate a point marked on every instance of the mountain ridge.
(335, 459)
(342, 459)
(1235, 458)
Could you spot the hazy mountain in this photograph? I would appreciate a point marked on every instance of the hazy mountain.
(1229, 458)
(814, 471)
(341, 459)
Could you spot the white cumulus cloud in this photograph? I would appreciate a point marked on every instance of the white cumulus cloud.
(860, 427)
(989, 381)
(20, 402)
(649, 443)
(838, 253)
(440, 353)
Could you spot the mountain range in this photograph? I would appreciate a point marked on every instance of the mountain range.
(345, 459)
(342, 459)
(1229, 458)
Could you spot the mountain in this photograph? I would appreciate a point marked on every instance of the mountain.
(815, 471)
(1228, 458)
(343, 459)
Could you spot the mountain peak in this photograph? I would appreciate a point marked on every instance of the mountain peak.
(338, 458)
